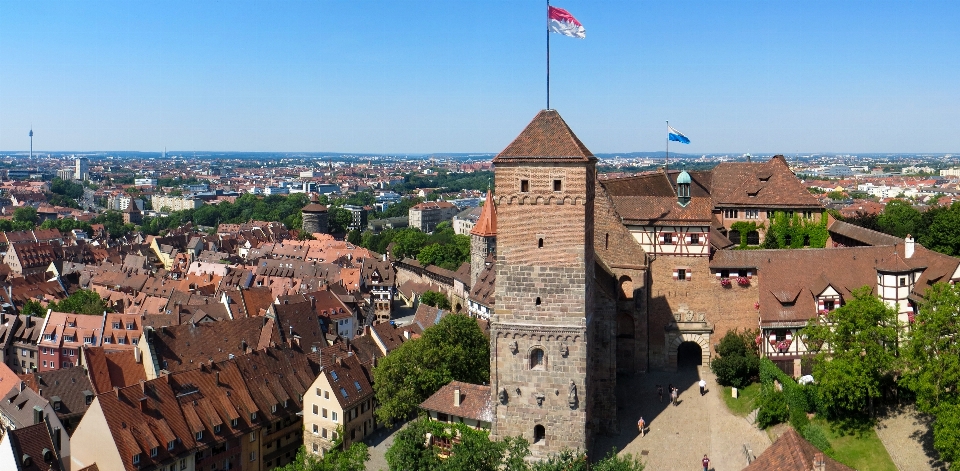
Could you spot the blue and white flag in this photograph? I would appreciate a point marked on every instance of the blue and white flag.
(675, 135)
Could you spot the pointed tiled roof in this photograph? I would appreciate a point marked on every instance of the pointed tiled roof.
(547, 137)
(487, 223)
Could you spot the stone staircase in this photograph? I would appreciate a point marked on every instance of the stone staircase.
(752, 416)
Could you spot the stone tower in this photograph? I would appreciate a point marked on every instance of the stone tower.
(314, 218)
(540, 379)
(483, 239)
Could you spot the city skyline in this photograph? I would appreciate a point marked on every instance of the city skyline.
(434, 77)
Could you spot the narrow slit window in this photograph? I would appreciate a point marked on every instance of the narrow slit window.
(540, 243)
(524, 186)
(538, 300)
(557, 185)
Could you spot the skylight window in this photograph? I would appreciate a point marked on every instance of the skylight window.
(333, 374)
(357, 384)
(344, 392)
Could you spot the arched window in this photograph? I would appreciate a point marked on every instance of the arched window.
(536, 359)
(540, 243)
(734, 236)
(539, 434)
(606, 241)
(753, 238)
(538, 300)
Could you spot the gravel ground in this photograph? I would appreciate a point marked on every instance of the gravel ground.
(907, 436)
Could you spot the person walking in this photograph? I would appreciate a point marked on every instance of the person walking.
(703, 387)
(641, 424)
(706, 463)
(660, 392)
(674, 396)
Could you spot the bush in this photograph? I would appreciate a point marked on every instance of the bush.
(738, 363)
(816, 436)
(773, 407)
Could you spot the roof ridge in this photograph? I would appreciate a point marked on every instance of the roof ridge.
(546, 137)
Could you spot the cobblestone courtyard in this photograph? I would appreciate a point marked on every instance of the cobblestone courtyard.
(678, 437)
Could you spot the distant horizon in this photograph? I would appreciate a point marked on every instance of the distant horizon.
(5, 153)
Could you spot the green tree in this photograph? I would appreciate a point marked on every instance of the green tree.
(453, 349)
(339, 219)
(337, 458)
(82, 301)
(931, 365)
(899, 218)
(940, 230)
(435, 299)
(946, 433)
(33, 308)
(931, 354)
(738, 363)
(408, 243)
(354, 237)
(836, 195)
(25, 214)
(856, 350)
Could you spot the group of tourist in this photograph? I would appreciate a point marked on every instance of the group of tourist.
(675, 400)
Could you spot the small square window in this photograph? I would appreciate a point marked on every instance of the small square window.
(199, 435)
(524, 186)
(681, 274)
(316, 429)
(695, 239)
(557, 185)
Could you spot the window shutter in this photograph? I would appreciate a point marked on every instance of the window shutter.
(687, 239)
(689, 274)
(675, 275)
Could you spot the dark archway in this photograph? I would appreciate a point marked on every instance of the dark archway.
(753, 238)
(689, 354)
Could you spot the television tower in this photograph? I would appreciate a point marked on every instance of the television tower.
(31, 142)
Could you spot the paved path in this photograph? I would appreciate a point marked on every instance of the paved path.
(679, 436)
(377, 445)
(908, 439)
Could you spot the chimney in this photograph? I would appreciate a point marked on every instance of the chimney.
(406, 334)
(819, 463)
(137, 355)
(456, 396)
(143, 404)
(313, 302)
(217, 378)
(37, 414)
(908, 246)
(338, 360)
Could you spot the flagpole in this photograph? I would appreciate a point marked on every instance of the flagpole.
(548, 54)
(666, 160)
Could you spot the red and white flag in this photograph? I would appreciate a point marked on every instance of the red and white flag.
(561, 21)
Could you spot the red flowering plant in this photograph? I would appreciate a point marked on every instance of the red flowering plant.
(743, 281)
(784, 345)
(725, 282)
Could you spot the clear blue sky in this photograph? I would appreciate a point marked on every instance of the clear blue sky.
(466, 76)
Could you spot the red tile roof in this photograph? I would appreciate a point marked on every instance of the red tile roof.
(792, 453)
(487, 223)
(475, 401)
(547, 137)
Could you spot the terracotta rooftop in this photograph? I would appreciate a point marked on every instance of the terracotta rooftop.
(792, 453)
(475, 401)
(34, 441)
(547, 137)
(487, 223)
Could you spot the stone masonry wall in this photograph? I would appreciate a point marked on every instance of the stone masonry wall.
(723, 308)
(545, 296)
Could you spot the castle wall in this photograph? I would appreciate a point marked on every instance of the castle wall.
(722, 308)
